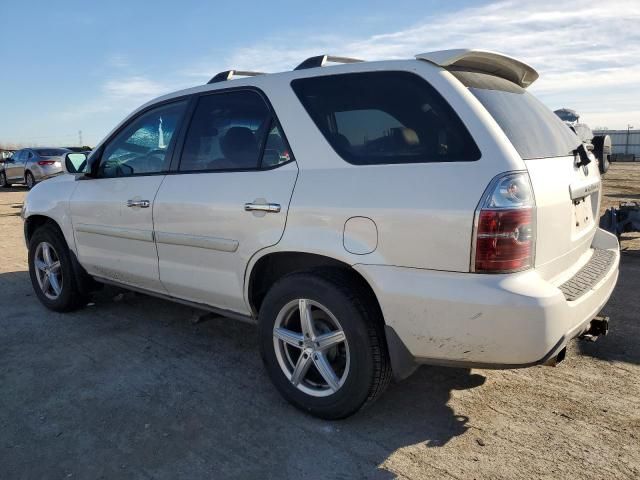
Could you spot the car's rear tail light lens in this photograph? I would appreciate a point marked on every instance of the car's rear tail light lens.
(42, 163)
(504, 228)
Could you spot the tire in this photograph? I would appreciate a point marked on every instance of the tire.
(3, 181)
(29, 180)
(602, 151)
(67, 296)
(360, 362)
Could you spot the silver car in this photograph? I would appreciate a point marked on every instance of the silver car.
(32, 165)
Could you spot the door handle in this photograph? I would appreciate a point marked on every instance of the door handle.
(262, 207)
(139, 203)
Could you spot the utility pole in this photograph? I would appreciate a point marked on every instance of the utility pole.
(79, 138)
(626, 147)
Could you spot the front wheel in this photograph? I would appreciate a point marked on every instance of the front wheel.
(52, 273)
(29, 180)
(322, 343)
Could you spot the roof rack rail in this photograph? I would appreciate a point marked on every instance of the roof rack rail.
(231, 74)
(320, 60)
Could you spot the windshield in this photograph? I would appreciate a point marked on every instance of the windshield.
(50, 152)
(533, 129)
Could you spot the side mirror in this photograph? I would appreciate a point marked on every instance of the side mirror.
(75, 162)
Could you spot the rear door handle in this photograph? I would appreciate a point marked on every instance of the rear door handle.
(139, 203)
(262, 207)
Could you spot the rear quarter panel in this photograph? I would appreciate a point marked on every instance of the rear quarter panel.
(423, 212)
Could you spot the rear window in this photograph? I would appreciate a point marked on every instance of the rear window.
(385, 118)
(50, 152)
(533, 129)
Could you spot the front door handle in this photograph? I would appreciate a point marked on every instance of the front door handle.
(262, 207)
(139, 203)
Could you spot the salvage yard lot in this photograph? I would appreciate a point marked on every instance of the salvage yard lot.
(132, 387)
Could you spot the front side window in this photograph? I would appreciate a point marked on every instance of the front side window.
(143, 146)
(232, 131)
(384, 118)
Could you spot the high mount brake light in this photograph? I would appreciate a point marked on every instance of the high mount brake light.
(504, 226)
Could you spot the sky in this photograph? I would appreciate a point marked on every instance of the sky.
(81, 65)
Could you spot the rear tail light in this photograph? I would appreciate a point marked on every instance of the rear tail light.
(504, 227)
(42, 163)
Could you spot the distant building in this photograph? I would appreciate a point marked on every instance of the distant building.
(625, 144)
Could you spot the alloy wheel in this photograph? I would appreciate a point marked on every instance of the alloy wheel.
(311, 347)
(48, 270)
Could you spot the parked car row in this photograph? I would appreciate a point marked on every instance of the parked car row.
(29, 166)
(369, 217)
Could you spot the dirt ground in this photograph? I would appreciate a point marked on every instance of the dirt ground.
(131, 387)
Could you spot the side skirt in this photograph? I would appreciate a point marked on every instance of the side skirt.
(201, 306)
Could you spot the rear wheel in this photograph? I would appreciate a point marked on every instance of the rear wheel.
(3, 181)
(322, 343)
(29, 180)
(51, 270)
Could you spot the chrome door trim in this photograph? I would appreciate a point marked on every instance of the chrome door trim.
(119, 232)
(197, 241)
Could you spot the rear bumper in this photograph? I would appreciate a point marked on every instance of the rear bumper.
(47, 171)
(485, 321)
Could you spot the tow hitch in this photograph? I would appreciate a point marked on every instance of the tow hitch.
(598, 326)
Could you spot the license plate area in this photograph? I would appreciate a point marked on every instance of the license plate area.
(583, 217)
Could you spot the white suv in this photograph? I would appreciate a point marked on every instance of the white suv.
(368, 216)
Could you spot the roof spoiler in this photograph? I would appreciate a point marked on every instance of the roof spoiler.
(484, 61)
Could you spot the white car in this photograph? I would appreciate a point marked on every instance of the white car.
(368, 216)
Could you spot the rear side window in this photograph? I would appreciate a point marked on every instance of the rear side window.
(385, 118)
(533, 129)
(51, 152)
(233, 131)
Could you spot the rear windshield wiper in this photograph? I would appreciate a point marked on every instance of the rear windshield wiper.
(583, 155)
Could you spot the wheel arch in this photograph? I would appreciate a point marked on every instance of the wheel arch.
(34, 222)
(272, 266)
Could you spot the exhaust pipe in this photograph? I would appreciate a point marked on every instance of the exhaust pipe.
(599, 326)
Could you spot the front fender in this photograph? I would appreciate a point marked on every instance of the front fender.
(51, 199)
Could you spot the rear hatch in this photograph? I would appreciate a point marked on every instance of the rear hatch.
(567, 196)
(51, 157)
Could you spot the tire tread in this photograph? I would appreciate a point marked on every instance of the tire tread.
(366, 304)
(356, 294)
